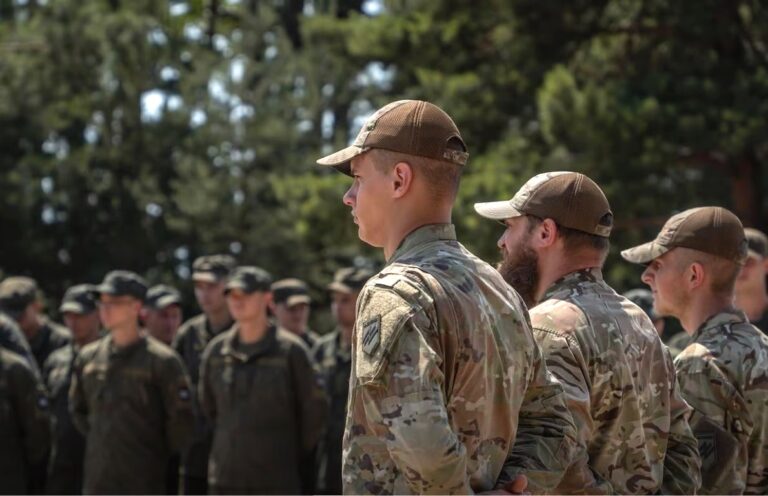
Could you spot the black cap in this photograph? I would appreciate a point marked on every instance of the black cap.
(644, 299)
(16, 293)
(123, 283)
(213, 268)
(161, 296)
(249, 279)
(291, 292)
(79, 299)
(350, 279)
(757, 243)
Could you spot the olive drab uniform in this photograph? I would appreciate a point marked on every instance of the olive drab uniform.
(449, 391)
(49, 338)
(723, 375)
(134, 406)
(25, 425)
(268, 413)
(12, 339)
(620, 386)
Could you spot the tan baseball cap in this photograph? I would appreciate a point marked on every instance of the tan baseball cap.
(571, 199)
(413, 127)
(712, 230)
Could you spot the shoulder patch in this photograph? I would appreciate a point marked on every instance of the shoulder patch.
(371, 335)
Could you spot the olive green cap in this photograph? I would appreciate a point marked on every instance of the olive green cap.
(350, 279)
(713, 230)
(757, 243)
(213, 268)
(16, 293)
(123, 283)
(161, 296)
(249, 279)
(79, 299)
(291, 291)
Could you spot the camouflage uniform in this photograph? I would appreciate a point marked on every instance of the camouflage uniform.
(134, 406)
(25, 426)
(268, 414)
(620, 384)
(449, 392)
(12, 339)
(49, 338)
(723, 374)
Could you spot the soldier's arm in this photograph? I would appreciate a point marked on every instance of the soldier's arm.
(78, 404)
(31, 404)
(177, 401)
(204, 391)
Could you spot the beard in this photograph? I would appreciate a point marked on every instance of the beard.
(521, 271)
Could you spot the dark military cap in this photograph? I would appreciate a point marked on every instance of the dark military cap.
(213, 268)
(161, 296)
(16, 293)
(350, 279)
(123, 283)
(80, 299)
(291, 292)
(249, 279)
(644, 299)
(757, 243)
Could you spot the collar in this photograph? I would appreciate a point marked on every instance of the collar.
(423, 235)
(572, 279)
(124, 351)
(725, 318)
(231, 345)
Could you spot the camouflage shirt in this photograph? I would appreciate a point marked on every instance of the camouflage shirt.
(449, 393)
(134, 406)
(723, 374)
(49, 338)
(620, 383)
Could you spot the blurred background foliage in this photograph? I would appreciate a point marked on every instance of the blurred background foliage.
(140, 134)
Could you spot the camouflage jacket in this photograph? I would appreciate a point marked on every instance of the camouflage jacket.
(723, 374)
(12, 339)
(134, 406)
(49, 338)
(620, 383)
(449, 393)
(268, 413)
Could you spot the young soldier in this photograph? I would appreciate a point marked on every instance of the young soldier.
(751, 292)
(129, 396)
(258, 388)
(692, 267)
(618, 376)
(162, 312)
(449, 393)
(209, 274)
(291, 308)
(65, 470)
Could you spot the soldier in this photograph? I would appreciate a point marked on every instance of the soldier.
(162, 312)
(129, 396)
(25, 426)
(12, 339)
(65, 469)
(444, 360)
(333, 357)
(258, 389)
(751, 293)
(692, 267)
(618, 376)
(291, 309)
(20, 298)
(209, 274)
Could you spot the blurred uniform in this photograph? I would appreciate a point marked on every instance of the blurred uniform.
(292, 294)
(16, 294)
(162, 312)
(12, 339)
(132, 403)
(267, 408)
(757, 250)
(25, 426)
(190, 342)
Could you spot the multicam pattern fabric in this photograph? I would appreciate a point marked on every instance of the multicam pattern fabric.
(723, 374)
(620, 384)
(449, 393)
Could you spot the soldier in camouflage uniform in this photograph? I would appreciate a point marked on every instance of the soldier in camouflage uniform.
(617, 374)
(12, 339)
(25, 426)
(130, 397)
(291, 308)
(209, 274)
(65, 469)
(162, 312)
(20, 298)
(334, 359)
(751, 291)
(448, 391)
(692, 267)
(258, 388)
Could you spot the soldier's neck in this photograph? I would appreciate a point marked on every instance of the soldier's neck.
(700, 308)
(125, 335)
(219, 320)
(412, 219)
(251, 331)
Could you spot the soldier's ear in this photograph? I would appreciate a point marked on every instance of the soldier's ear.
(545, 234)
(695, 275)
(402, 179)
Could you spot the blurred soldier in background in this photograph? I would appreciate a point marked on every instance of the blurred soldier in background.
(751, 293)
(291, 309)
(12, 339)
(258, 388)
(65, 469)
(162, 312)
(209, 274)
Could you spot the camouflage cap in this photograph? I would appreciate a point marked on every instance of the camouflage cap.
(161, 296)
(249, 279)
(350, 279)
(291, 292)
(571, 199)
(412, 127)
(212, 268)
(757, 243)
(712, 230)
(123, 283)
(16, 293)
(644, 299)
(79, 299)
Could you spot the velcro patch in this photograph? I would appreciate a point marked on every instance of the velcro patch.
(371, 336)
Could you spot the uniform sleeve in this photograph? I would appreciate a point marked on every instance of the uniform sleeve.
(204, 391)
(399, 398)
(78, 404)
(177, 400)
(682, 465)
(31, 404)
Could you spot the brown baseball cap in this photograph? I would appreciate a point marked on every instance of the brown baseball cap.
(713, 230)
(413, 127)
(757, 243)
(571, 199)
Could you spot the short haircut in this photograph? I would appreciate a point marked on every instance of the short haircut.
(721, 272)
(573, 239)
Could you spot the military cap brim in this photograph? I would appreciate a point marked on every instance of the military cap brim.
(341, 160)
(645, 253)
(297, 300)
(74, 307)
(498, 210)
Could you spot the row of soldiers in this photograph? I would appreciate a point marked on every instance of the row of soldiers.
(231, 401)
